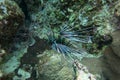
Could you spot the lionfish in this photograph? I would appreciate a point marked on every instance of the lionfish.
(71, 35)
(68, 52)
(77, 35)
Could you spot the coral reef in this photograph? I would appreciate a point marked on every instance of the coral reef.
(59, 39)
(11, 18)
(53, 65)
(83, 73)
(78, 15)
(24, 75)
(112, 53)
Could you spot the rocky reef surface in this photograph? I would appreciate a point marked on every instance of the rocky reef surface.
(59, 39)
(11, 18)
